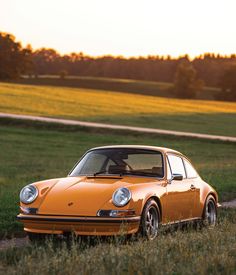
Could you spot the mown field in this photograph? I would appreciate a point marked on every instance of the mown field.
(152, 88)
(32, 152)
(202, 116)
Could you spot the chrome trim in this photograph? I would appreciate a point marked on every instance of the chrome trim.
(44, 218)
(34, 197)
(182, 221)
(119, 211)
(129, 198)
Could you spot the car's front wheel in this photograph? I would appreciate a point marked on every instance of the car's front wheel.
(37, 237)
(210, 212)
(150, 220)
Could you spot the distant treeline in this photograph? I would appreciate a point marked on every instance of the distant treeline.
(207, 69)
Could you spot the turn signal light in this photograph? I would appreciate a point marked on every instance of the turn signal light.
(116, 213)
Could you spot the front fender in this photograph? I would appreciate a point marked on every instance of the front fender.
(141, 193)
(43, 188)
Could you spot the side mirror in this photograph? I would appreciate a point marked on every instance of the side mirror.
(177, 177)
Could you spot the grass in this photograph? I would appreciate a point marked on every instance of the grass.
(206, 251)
(32, 152)
(211, 117)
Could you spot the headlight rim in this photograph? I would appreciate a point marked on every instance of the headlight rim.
(35, 194)
(113, 197)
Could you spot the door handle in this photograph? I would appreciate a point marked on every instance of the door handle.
(192, 187)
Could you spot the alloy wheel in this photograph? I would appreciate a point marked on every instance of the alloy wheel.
(210, 214)
(151, 223)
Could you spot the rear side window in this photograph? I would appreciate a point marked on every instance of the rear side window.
(176, 164)
(191, 172)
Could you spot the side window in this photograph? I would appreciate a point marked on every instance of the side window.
(176, 164)
(191, 172)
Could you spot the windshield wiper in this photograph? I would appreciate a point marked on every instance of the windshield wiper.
(138, 173)
(121, 173)
(99, 172)
(104, 171)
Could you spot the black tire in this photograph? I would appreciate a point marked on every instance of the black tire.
(209, 216)
(150, 220)
(37, 237)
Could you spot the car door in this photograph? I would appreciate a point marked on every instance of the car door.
(195, 183)
(179, 196)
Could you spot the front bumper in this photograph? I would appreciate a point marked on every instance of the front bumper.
(97, 226)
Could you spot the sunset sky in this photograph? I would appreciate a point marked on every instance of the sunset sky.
(123, 27)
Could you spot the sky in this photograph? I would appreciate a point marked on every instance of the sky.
(123, 27)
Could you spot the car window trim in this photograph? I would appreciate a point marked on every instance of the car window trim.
(176, 155)
(168, 163)
(151, 150)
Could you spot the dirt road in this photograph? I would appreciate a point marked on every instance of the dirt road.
(117, 127)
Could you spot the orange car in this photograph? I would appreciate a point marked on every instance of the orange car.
(119, 189)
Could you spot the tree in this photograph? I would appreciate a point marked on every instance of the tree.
(228, 85)
(27, 62)
(10, 57)
(14, 60)
(46, 61)
(186, 83)
(63, 74)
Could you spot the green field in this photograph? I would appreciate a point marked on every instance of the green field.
(202, 116)
(32, 152)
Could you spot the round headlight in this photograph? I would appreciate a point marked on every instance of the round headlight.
(28, 194)
(121, 197)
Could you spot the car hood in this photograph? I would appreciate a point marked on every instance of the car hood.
(82, 196)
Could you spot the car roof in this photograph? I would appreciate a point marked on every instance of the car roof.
(145, 147)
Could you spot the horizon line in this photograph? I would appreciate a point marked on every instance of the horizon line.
(123, 56)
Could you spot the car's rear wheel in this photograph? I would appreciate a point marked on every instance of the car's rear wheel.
(210, 212)
(150, 220)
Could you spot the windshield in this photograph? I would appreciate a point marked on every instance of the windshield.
(121, 161)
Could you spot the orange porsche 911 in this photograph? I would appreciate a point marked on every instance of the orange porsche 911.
(114, 190)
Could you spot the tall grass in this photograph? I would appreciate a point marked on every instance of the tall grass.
(206, 251)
